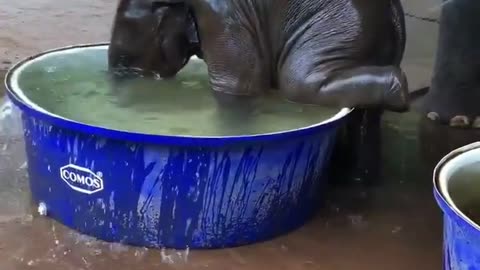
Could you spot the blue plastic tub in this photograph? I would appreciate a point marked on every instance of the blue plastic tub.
(461, 235)
(172, 191)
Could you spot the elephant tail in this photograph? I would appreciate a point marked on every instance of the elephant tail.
(398, 20)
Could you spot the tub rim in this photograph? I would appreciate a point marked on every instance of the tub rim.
(442, 173)
(14, 92)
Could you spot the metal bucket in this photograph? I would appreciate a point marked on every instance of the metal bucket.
(461, 243)
(171, 191)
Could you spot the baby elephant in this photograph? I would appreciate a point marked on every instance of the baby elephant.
(325, 52)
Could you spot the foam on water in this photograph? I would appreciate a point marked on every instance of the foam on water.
(77, 86)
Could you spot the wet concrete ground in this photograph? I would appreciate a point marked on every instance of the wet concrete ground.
(393, 224)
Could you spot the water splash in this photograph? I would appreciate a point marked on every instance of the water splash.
(42, 209)
(174, 256)
(10, 119)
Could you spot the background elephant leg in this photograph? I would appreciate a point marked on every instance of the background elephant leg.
(357, 155)
(364, 87)
(455, 89)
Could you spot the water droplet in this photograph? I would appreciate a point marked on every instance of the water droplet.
(51, 69)
(397, 229)
(358, 221)
(42, 209)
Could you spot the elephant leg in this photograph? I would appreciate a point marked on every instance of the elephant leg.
(363, 87)
(455, 88)
(369, 88)
(235, 64)
(359, 147)
(237, 74)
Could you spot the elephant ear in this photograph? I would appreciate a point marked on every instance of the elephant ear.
(191, 31)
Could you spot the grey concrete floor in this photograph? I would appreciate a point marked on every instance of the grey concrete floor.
(392, 225)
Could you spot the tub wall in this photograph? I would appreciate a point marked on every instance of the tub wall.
(156, 195)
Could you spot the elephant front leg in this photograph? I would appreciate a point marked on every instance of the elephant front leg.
(238, 76)
(363, 87)
(371, 89)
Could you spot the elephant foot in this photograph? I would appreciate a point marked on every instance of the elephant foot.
(455, 120)
(452, 105)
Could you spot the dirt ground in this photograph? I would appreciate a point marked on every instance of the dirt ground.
(29, 27)
(394, 226)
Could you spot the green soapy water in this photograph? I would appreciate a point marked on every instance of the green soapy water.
(77, 86)
(464, 189)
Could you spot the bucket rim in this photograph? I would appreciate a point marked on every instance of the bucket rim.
(14, 92)
(440, 179)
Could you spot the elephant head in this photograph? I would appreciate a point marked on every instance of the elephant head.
(156, 36)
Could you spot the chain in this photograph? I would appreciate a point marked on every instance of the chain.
(426, 19)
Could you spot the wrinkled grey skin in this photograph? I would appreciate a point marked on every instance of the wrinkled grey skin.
(454, 96)
(325, 52)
